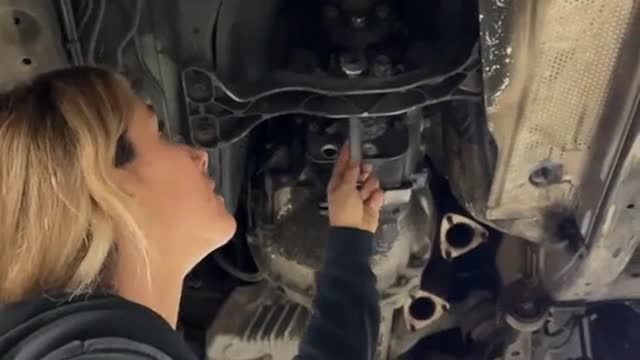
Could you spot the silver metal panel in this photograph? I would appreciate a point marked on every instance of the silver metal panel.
(30, 39)
(548, 67)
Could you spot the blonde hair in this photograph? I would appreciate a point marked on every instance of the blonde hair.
(59, 205)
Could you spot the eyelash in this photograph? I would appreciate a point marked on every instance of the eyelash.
(162, 128)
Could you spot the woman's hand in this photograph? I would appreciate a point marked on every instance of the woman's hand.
(348, 206)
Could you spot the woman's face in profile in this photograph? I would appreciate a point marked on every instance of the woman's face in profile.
(170, 183)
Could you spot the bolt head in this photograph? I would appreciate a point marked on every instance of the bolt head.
(359, 22)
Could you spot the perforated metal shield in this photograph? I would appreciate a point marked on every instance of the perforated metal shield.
(549, 66)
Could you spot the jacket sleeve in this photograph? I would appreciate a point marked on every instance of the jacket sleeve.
(346, 313)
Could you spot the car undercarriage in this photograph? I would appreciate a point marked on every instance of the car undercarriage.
(504, 133)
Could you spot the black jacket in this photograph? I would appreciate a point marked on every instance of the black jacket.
(344, 324)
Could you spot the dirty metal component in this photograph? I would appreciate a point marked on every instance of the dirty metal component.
(459, 235)
(520, 348)
(431, 301)
(546, 173)
(424, 308)
(594, 270)
(470, 314)
(30, 40)
(575, 109)
(289, 249)
(254, 322)
(395, 145)
(293, 226)
(352, 65)
(525, 305)
(259, 322)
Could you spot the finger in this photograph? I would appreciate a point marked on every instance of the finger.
(342, 163)
(350, 177)
(365, 171)
(340, 166)
(369, 187)
(375, 201)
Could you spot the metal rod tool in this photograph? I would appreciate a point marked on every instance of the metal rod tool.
(355, 139)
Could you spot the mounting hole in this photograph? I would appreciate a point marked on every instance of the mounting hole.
(547, 173)
(631, 206)
(16, 20)
(587, 284)
(329, 151)
(460, 235)
(195, 30)
(422, 308)
(635, 275)
(27, 61)
(515, 353)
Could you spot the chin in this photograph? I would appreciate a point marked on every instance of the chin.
(223, 229)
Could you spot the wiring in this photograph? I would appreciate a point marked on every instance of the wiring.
(156, 82)
(130, 34)
(87, 14)
(93, 38)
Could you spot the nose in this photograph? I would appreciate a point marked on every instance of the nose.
(201, 157)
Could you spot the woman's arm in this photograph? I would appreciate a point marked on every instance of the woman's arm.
(346, 313)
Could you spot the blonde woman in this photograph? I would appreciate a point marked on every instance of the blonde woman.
(101, 218)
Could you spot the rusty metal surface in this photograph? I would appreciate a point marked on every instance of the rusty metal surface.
(548, 67)
(30, 39)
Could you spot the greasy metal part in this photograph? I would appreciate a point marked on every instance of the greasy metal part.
(591, 271)
(355, 139)
(423, 309)
(352, 65)
(525, 305)
(555, 124)
(566, 335)
(521, 347)
(524, 302)
(30, 40)
(396, 149)
(428, 303)
(459, 235)
(290, 249)
(260, 322)
(256, 321)
(573, 110)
